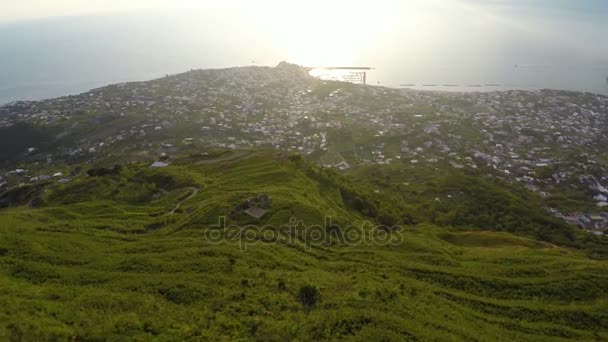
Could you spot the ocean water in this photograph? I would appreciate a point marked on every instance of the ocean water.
(581, 78)
(69, 55)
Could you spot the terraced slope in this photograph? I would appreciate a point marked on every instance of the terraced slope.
(105, 257)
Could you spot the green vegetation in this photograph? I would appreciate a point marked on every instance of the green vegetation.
(470, 200)
(309, 295)
(15, 140)
(125, 255)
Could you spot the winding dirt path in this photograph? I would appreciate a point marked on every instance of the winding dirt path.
(195, 191)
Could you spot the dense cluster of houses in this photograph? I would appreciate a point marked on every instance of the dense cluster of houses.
(543, 139)
(596, 223)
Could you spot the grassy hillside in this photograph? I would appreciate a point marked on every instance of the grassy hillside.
(472, 200)
(125, 253)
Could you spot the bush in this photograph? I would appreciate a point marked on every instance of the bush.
(309, 295)
(358, 202)
(388, 217)
(102, 171)
(181, 294)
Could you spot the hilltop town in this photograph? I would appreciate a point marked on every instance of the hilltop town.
(553, 143)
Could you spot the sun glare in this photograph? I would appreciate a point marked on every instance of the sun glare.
(326, 33)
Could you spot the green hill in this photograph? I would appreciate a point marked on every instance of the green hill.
(134, 252)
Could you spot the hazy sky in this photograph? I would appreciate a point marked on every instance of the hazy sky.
(32, 9)
(29, 9)
(90, 42)
(580, 25)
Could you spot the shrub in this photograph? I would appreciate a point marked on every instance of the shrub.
(231, 263)
(102, 171)
(181, 294)
(295, 157)
(309, 295)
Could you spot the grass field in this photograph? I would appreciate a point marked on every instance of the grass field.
(126, 256)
